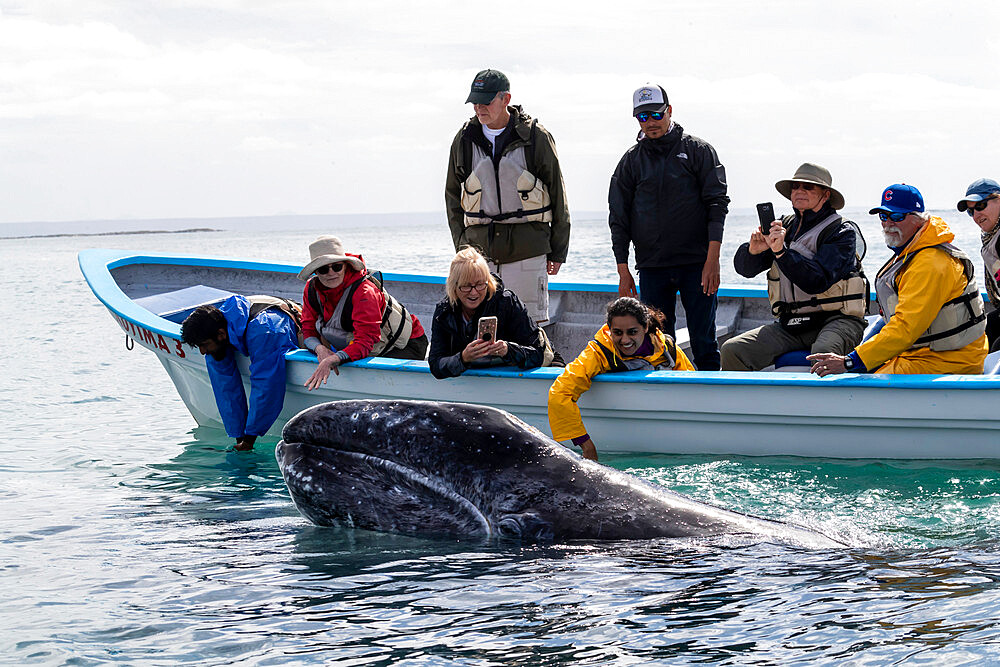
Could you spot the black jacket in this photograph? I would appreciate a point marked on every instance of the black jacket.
(450, 334)
(834, 260)
(668, 199)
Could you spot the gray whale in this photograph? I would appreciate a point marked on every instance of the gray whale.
(452, 469)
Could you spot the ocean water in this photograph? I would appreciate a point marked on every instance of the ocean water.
(131, 536)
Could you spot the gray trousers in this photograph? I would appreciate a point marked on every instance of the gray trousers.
(757, 349)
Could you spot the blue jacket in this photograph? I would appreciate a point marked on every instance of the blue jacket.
(265, 339)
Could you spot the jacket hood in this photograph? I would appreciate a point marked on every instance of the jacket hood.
(604, 338)
(519, 119)
(236, 310)
(934, 232)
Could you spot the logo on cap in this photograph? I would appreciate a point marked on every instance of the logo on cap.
(887, 196)
(645, 95)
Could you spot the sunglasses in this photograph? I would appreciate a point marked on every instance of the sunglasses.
(979, 205)
(336, 267)
(643, 116)
(895, 217)
(808, 187)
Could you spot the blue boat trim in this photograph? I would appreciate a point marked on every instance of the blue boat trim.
(96, 266)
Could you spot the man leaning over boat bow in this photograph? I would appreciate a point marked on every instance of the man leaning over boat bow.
(927, 295)
(815, 283)
(263, 329)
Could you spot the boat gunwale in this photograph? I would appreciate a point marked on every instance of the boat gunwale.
(96, 265)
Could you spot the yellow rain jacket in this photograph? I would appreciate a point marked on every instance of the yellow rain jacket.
(564, 415)
(932, 278)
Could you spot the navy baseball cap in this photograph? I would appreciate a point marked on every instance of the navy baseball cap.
(900, 198)
(982, 189)
(486, 85)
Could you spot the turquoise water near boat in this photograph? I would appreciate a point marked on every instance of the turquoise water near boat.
(131, 536)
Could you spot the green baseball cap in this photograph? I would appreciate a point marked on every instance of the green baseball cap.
(486, 85)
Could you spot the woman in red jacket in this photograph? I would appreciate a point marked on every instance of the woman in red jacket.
(343, 310)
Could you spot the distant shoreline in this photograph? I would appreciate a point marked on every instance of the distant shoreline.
(138, 231)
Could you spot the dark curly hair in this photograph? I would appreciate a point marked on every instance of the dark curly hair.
(648, 317)
(202, 324)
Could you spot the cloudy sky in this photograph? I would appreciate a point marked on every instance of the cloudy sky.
(198, 108)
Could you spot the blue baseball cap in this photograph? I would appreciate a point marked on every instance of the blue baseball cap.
(900, 198)
(982, 189)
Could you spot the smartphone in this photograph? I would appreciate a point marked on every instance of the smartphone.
(488, 328)
(765, 213)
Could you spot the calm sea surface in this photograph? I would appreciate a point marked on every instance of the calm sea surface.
(130, 536)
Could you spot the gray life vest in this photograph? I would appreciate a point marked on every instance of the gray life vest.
(617, 364)
(338, 331)
(505, 193)
(960, 321)
(991, 260)
(849, 295)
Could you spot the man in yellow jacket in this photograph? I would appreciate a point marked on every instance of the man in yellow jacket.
(927, 295)
(633, 339)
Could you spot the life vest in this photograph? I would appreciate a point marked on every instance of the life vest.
(849, 295)
(261, 302)
(396, 328)
(991, 260)
(617, 364)
(960, 321)
(506, 192)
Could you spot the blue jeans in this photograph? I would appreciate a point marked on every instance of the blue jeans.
(659, 288)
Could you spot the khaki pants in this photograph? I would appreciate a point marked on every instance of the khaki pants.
(529, 280)
(757, 349)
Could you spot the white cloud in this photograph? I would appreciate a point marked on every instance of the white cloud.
(136, 108)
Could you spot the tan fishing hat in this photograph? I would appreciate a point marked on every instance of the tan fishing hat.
(327, 250)
(811, 173)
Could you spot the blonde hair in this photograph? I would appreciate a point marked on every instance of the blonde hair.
(468, 266)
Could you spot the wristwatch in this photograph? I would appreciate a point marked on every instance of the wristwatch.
(848, 363)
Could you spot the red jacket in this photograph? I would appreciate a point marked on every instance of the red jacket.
(368, 306)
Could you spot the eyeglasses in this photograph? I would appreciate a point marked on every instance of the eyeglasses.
(895, 217)
(643, 116)
(979, 205)
(466, 289)
(336, 267)
(808, 187)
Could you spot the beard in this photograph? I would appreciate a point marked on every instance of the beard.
(893, 236)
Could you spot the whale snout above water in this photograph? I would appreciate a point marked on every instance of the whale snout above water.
(458, 470)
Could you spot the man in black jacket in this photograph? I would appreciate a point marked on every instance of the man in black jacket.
(668, 199)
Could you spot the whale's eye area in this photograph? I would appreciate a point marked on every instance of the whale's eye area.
(510, 527)
(526, 526)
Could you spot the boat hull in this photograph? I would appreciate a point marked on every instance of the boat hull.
(753, 414)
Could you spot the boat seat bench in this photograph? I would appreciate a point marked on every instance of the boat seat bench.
(177, 305)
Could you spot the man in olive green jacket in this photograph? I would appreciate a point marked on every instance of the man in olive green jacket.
(505, 194)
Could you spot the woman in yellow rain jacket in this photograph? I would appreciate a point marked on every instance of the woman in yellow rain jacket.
(633, 339)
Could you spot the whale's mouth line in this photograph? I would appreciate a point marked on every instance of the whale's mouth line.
(413, 476)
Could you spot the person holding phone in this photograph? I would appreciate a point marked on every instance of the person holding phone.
(633, 339)
(815, 284)
(480, 324)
